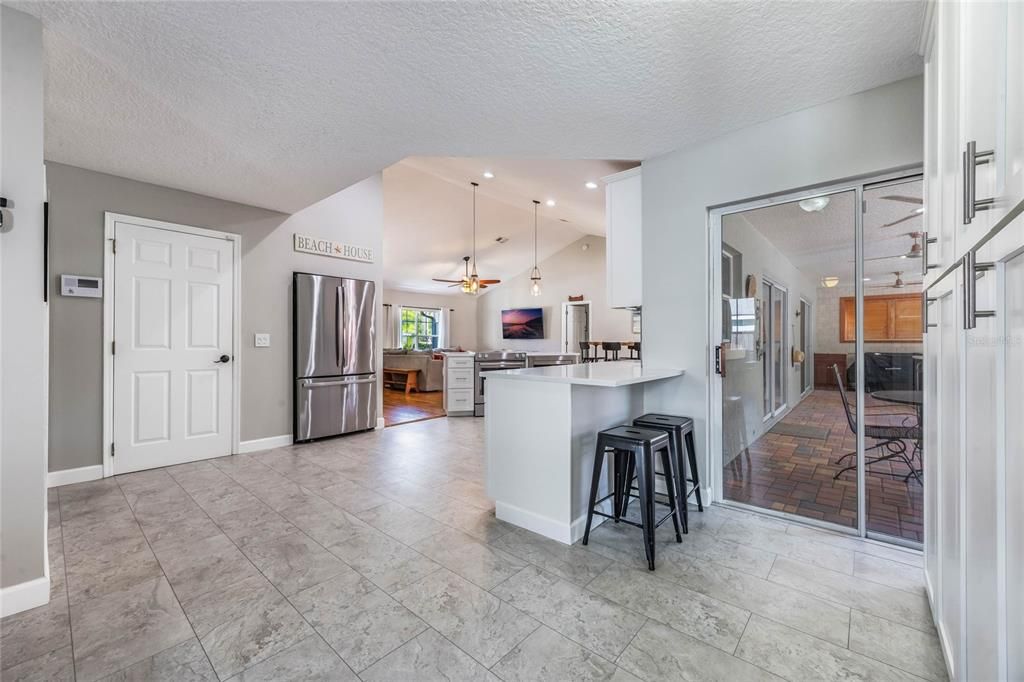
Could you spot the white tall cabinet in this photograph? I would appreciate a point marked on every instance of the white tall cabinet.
(974, 345)
(623, 246)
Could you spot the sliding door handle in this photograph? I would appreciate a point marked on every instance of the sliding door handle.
(719, 361)
(925, 241)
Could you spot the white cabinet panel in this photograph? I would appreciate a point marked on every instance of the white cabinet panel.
(460, 378)
(1012, 479)
(623, 252)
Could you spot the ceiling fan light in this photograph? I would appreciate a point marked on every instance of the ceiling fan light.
(829, 282)
(814, 204)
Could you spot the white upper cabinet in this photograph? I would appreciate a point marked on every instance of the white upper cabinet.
(624, 255)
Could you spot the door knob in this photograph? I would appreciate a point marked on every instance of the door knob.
(223, 358)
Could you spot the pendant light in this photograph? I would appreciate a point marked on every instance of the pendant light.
(535, 273)
(474, 278)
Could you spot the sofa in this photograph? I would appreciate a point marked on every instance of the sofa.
(431, 375)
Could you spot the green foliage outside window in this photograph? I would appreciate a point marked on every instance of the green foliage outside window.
(419, 329)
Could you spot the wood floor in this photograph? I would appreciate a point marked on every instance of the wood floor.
(400, 408)
(794, 474)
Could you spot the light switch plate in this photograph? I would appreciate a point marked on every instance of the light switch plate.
(263, 340)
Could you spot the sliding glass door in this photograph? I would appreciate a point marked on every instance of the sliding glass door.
(819, 332)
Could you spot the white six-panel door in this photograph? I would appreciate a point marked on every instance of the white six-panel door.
(172, 385)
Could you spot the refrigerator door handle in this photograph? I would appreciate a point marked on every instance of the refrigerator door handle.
(339, 312)
(351, 382)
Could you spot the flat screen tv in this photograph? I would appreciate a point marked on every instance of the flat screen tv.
(522, 323)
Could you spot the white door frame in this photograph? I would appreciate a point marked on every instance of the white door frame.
(775, 413)
(108, 323)
(806, 368)
(565, 330)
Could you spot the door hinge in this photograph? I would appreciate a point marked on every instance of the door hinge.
(113, 347)
(113, 246)
(863, 205)
(111, 449)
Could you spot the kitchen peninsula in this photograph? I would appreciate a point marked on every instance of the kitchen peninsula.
(541, 428)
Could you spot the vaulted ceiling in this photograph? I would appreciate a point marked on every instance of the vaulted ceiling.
(279, 104)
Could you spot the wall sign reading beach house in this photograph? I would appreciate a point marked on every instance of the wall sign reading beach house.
(326, 247)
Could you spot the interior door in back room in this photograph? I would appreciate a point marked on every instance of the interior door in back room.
(173, 370)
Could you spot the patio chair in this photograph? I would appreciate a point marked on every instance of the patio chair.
(889, 437)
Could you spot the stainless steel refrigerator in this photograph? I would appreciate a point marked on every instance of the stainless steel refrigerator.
(333, 354)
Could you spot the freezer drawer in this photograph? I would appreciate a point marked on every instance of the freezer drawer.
(334, 405)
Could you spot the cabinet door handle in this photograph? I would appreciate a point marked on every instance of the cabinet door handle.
(971, 269)
(925, 300)
(925, 241)
(972, 158)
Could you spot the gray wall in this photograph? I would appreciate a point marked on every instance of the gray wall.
(78, 199)
(22, 311)
(463, 315)
(569, 272)
(857, 135)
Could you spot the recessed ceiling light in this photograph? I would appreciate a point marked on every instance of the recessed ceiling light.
(867, 279)
(550, 202)
(814, 204)
(590, 184)
(488, 174)
(919, 210)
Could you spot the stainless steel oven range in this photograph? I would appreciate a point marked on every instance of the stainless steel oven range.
(488, 362)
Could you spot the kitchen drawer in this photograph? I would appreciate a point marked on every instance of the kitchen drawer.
(460, 363)
(460, 400)
(460, 378)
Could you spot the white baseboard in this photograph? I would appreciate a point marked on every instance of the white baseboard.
(380, 423)
(24, 596)
(566, 533)
(258, 444)
(69, 476)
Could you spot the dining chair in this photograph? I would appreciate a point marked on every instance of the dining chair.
(585, 355)
(611, 349)
(889, 437)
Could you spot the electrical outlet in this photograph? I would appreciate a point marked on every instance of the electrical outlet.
(263, 340)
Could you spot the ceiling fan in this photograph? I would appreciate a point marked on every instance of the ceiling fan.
(907, 200)
(915, 249)
(471, 282)
(467, 281)
(898, 284)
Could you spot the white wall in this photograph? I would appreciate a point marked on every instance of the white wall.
(857, 135)
(23, 320)
(760, 258)
(463, 316)
(570, 272)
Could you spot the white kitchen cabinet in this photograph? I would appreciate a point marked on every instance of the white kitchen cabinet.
(459, 376)
(623, 252)
(974, 371)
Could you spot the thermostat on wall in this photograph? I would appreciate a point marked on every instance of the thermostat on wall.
(77, 285)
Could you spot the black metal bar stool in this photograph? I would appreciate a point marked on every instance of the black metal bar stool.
(634, 447)
(680, 433)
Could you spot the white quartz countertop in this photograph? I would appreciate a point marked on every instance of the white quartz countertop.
(606, 374)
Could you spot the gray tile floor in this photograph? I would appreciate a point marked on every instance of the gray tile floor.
(378, 557)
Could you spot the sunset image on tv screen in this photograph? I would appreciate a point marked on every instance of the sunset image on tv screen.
(522, 323)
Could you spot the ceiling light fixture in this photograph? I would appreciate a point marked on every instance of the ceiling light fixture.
(590, 184)
(489, 175)
(549, 202)
(829, 282)
(535, 273)
(814, 204)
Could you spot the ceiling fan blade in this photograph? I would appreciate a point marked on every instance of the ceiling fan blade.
(457, 284)
(483, 286)
(902, 220)
(904, 199)
(452, 281)
(898, 255)
(490, 281)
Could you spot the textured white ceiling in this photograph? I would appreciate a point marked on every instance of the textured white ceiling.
(821, 243)
(279, 104)
(428, 216)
